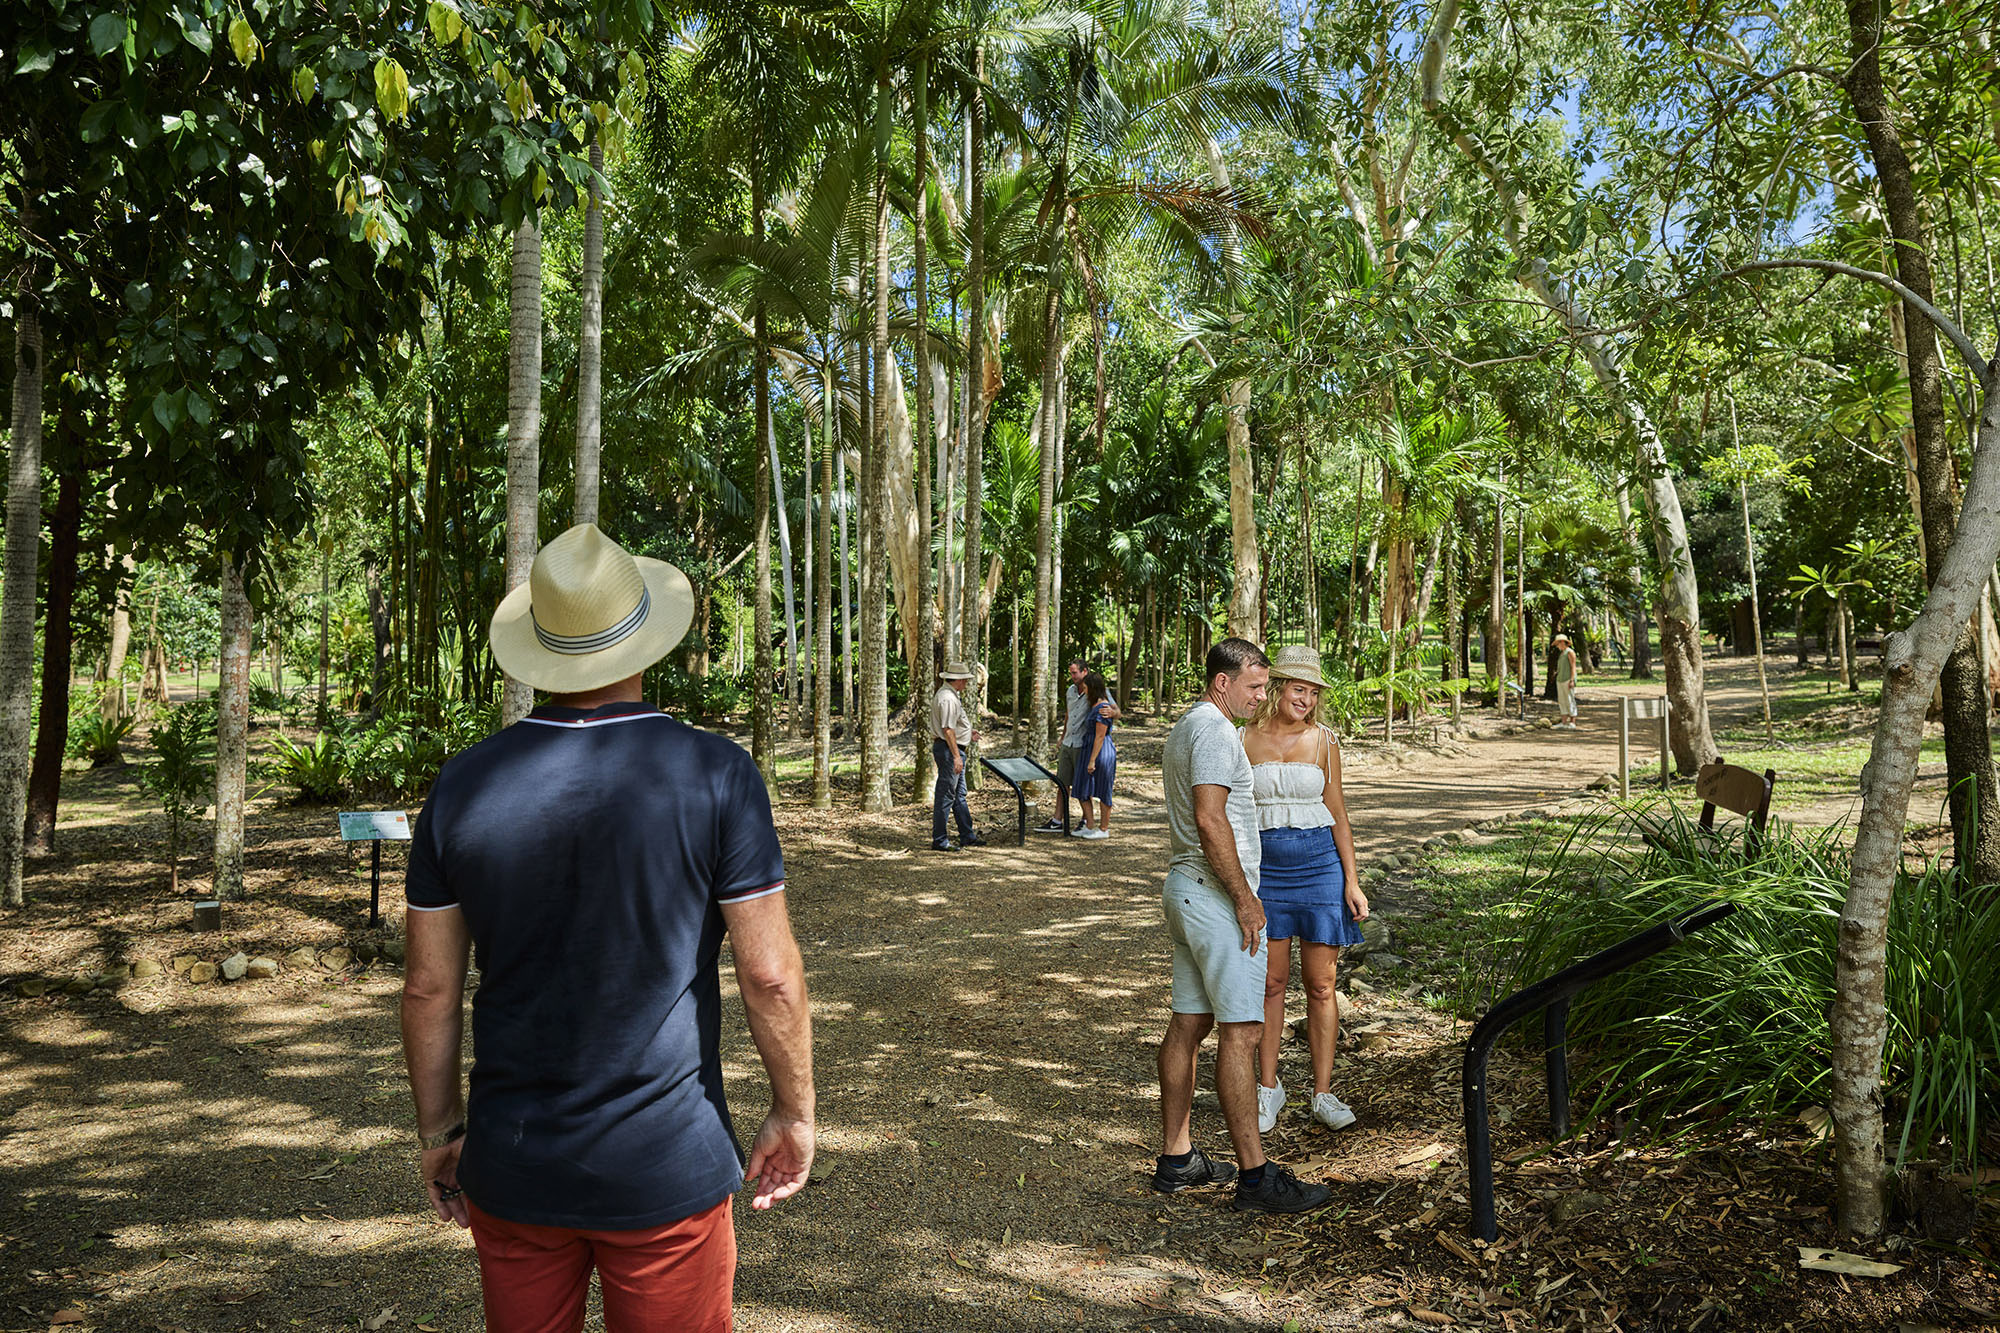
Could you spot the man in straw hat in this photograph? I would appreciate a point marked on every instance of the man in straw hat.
(594, 853)
(1565, 682)
(1217, 926)
(951, 737)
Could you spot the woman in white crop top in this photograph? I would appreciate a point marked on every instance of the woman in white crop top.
(1307, 883)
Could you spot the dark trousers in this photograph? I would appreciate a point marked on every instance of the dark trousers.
(950, 796)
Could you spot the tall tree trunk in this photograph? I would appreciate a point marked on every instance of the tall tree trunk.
(1496, 605)
(922, 432)
(1047, 427)
(1680, 602)
(1642, 638)
(590, 346)
(763, 746)
(325, 616)
(232, 731)
(875, 791)
(1750, 563)
(1968, 750)
(971, 628)
(791, 605)
(118, 636)
(1245, 590)
(524, 433)
(1913, 663)
(822, 797)
(17, 598)
(52, 733)
(847, 707)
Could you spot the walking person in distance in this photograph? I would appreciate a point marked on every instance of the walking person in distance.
(595, 853)
(1308, 886)
(1076, 732)
(1216, 924)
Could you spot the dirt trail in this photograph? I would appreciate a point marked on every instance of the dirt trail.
(236, 1157)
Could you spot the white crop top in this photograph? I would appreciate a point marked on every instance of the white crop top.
(1290, 794)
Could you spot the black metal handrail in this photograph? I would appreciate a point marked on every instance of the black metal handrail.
(1551, 995)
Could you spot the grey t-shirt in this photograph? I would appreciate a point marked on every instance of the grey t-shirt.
(1205, 750)
(1074, 732)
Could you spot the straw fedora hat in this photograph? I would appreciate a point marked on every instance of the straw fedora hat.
(590, 615)
(1297, 662)
(955, 671)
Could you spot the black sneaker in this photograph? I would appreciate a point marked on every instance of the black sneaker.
(1280, 1192)
(1049, 826)
(1199, 1171)
(974, 841)
(944, 846)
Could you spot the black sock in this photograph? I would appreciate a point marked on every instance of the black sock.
(1251, 1177)
(1178, 1158)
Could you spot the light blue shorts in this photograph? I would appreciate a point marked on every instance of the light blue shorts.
(1213, 973)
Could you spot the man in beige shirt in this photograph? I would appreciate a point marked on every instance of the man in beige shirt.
(951, 736)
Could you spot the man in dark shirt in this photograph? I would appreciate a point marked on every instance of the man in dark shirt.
(594, 854)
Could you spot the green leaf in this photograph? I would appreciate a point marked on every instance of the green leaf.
(199, 408)
(304, 82)
(242, 261)
(107, 33)
(138, 295)
(196, 32)
(243, 40)
(168, 410)
(392, 89)
(515, 156)
(35, 59)
(98, 121)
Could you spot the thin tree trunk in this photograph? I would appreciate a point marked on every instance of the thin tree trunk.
(1246, 588)
(1047, 427)
(1642, 638)
(762, 740)
(822, 797)
(325, 616)
(119, 636)
(971, 627)
(1972, 782)
(1750, 560)
(922, 433)
(52, 734)
(590, 346)
(847, 710)
(17, 599)
(791, 606)
(232, 731)
(875, 789)
(524, 434)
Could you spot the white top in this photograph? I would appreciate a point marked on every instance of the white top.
(1290, 794)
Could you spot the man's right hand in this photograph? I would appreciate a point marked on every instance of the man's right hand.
(1250, 916)
(781, 1159)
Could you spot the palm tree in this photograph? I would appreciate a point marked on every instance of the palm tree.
(524, 435)
(590, 345)
(17, 603)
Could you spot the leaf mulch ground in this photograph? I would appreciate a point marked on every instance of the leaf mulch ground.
(224, 1157)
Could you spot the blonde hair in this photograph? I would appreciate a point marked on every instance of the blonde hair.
(1267, 711)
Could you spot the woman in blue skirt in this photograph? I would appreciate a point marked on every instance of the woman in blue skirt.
(1098, 764)
(1308, 886)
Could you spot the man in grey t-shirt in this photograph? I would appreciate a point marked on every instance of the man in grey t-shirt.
(1076, 735)
(1217, 925)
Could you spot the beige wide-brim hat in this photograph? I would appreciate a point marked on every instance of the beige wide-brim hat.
(590, 615)
(955, 671)
(1562, 640)
(1297, 662)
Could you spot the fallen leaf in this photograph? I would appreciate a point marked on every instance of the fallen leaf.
(1450, 1243)
(375, 1323)
(1423, 1154)
(66, 1316)
(1435, 1318)
(1838, 1261)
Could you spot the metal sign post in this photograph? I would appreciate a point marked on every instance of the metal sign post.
(372, 827)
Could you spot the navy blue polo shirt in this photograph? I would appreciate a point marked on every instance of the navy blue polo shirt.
(591, 853)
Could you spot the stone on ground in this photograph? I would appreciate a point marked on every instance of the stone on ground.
(201, 972)
(261, 969)
(234, 966)
(146, 969)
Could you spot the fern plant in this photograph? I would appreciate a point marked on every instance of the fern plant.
(318, 768)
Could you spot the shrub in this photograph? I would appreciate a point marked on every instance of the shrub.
(96, 737)
(317, 768)
(182, 774)
(1735, 1021)
(398, 755)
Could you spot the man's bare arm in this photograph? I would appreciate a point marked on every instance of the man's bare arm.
(1218, 844)
(772, 977)
(439, 944)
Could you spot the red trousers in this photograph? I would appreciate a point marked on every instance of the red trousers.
(678, 1278)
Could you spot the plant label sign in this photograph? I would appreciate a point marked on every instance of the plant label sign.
(370, 825)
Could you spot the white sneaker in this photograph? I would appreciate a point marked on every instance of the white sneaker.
(1094, 834)
(1332, 1112)
(1270, 1101)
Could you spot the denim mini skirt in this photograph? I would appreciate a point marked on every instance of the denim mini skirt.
(1303, 888)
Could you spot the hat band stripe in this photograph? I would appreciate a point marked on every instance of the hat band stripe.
(576, 645)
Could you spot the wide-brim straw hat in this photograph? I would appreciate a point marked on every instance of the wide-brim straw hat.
(955, 671)
(1297, 662)
(590, 615)
(1562, 639)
